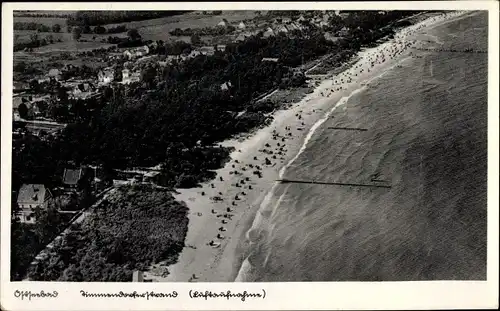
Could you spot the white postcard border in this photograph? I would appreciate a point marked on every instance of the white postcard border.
(278, 296)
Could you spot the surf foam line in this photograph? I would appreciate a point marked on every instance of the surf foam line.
(246, 266)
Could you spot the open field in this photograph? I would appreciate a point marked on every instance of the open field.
(73, 46)
(152, 29)
(22, 36)
(46, 61)
(190, 20)
(158, 28)
(49, 21)
(53, 13)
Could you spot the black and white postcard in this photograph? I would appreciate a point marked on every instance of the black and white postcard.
(249, 155)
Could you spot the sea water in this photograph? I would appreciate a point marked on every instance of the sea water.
(426, 137)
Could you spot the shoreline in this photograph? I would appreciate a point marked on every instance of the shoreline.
(288, 135)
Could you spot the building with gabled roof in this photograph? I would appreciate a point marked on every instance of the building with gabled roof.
(141, 51)
(106, 75)
(330, 36)
(343, 32)
(283, 29)
(223, 23)
(72, 177)
(225, 86)
(30, 197)
(294, 26)
(137, 276)
(323, 24)
(269, 33)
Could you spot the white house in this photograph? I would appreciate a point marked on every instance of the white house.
(242, 25)
(30, 197)
(240, 37)
(106, 75)
(142, 51)
(283, 29)
(223, 23)
(221, 47)
(54, 73)
(125, 73)
(343, 32)
(294, 26)
(225, 86)
(270, 59)
(43, 80)
(269, 33)
(130, 77)
(127, 54)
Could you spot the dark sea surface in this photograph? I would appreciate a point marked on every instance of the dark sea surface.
(427, 138)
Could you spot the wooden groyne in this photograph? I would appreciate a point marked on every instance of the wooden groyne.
(451, 50)
(331, 183)
(347, 128)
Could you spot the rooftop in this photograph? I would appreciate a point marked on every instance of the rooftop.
(33, 194)
(72, 176)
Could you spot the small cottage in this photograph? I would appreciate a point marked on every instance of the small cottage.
(72, 178)
(343, 32)
(106, 75)
(54, 74)
(283, 29)
(223, 23)
(127, 54)
(30, 197)
(225, 86)
(269, 33)
(270, 59)
(141, 51)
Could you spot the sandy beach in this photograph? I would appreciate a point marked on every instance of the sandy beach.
(223, 210)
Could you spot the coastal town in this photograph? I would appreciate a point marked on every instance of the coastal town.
(118, 147)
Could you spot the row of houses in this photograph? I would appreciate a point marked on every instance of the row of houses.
(34, 103)
(132, 74)
(136, 53)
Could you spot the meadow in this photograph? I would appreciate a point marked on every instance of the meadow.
(49, 21)
(151, 29)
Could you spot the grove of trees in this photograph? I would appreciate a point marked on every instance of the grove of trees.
(92, 18)
(205, 31)
(133, 229)
(76, 33)
(32, 26)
